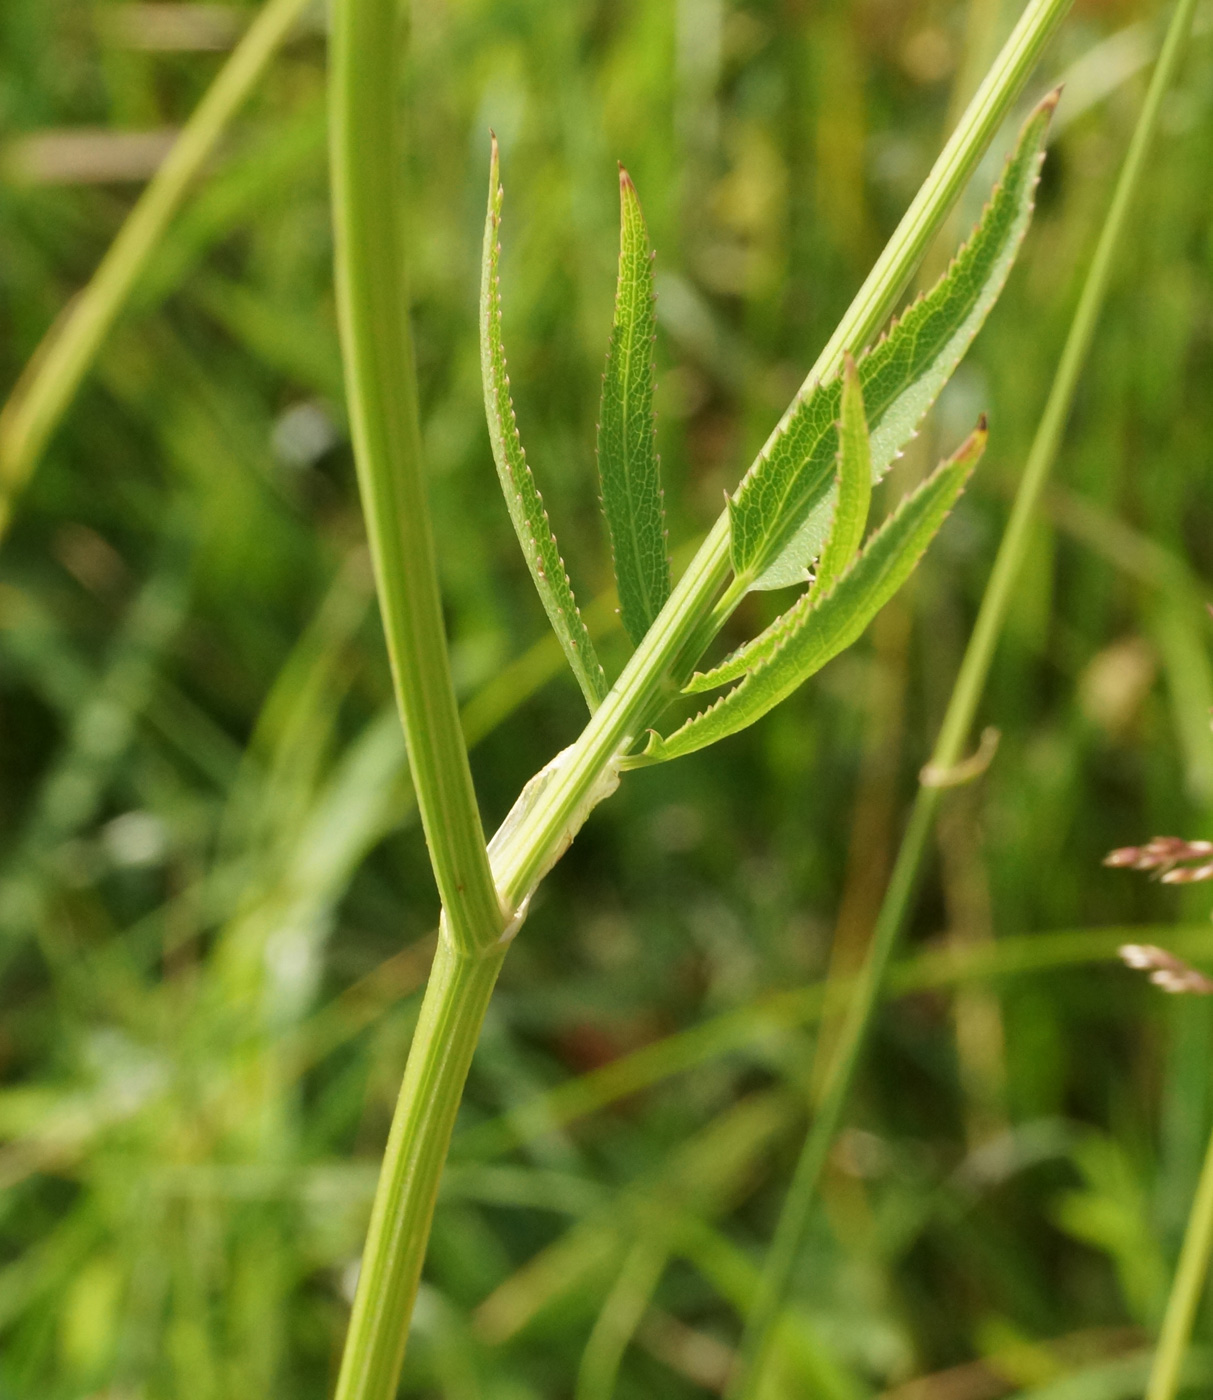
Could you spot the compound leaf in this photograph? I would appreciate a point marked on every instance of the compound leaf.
(779, 515)
(628, 466)
(522, 497)
(821, 625)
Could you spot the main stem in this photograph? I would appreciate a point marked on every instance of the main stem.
(381, 388)
(456, 999)
(367, 162)
(958, 721)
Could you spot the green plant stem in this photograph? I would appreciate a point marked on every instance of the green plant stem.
(382, 392)
(958, 721)
(42, 394)
(367, 42)
(456, 998)
(383, 412)
(1186, 1290)
(546, 829)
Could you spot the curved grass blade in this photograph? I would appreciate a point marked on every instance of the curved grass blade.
(628, 466)
(818, 627)
(779, 514)
(522, 496)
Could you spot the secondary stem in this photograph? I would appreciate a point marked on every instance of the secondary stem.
(545, 831)
(958, 721)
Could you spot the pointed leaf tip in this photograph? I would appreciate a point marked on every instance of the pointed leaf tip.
(628, 466)
(522, 497)
(820, 625)
(780, 514)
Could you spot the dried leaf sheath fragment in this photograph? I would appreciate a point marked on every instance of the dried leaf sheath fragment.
(522, 497)
(628, 466)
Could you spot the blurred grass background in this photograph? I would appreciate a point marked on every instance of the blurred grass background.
(215, 906)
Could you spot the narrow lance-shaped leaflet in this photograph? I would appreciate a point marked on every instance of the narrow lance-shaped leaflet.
(854, 483)
(628, 467)
(779, 515)
(818, 627)
(522, 497)
(850, 516)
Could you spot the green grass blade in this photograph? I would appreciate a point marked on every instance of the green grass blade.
(970, 683)
(808, 635)
(522, 496)
(854, 483)
(67, 352)
(779, 515)
(628, 466)
(1186, 1290)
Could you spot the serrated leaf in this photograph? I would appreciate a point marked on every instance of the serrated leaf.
(628, 466)
(854, 482)
(779, 515)
(819, 626)
(522, 497)
(849, 517)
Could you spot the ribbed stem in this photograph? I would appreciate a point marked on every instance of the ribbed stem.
(456, 999)
(381, 387)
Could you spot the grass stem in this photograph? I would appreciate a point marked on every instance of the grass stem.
(958, 721)
(1189, 1284)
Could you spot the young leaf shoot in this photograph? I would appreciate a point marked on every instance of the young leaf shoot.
(628, 466)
